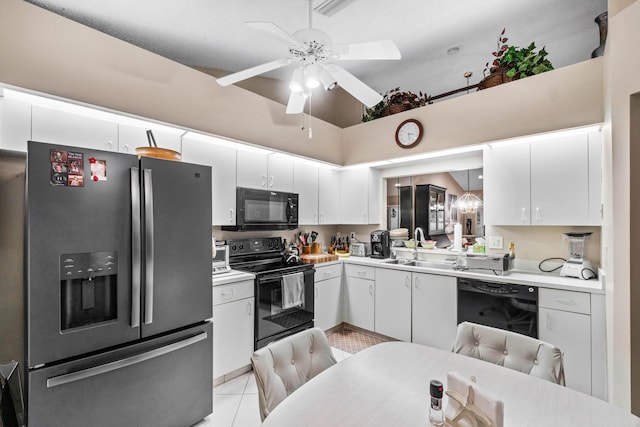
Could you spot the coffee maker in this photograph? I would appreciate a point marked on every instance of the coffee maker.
(380, 244)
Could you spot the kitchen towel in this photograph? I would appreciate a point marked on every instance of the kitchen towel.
(292, 290)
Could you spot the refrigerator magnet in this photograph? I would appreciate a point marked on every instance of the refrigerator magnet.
(98, 169)
(75, 169)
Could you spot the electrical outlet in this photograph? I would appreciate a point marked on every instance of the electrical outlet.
(352, 235)
(495, 242)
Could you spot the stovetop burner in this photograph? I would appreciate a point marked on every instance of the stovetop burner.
(260, 255)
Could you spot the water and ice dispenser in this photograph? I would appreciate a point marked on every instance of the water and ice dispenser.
(88, 288)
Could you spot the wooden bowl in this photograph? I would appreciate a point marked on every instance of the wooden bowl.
(158, 153)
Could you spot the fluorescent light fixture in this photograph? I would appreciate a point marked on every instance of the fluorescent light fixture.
(311, 79)
(297, 80)
(542, 136)
(331, 7)
(439, 153)
(327, 81)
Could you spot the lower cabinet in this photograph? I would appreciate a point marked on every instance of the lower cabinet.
(233, 314)
(434, 310)
(564, 320)
(393, 303)
(328, 296)
(360, 296)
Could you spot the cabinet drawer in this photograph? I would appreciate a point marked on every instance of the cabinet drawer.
(232, 292)
(328, 272)
(360, 271)
(576, 302)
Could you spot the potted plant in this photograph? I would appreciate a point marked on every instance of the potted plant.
(395, 101)
(511, 62)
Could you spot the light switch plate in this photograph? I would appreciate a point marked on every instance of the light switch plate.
(495, 242)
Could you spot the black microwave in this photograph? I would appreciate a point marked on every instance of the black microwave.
(264, 210)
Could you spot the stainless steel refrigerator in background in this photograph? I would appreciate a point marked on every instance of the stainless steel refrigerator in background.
(118, 289)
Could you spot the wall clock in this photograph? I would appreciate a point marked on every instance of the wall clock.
(409, 133)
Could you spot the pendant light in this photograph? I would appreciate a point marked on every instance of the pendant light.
(468, 203)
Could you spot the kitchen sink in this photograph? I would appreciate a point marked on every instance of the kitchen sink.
(447, 265)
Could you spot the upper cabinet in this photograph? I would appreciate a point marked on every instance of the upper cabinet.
(130, 137)
(15, 124)
(60, 127)
(305, 184)
(429, 212)
(328, 196)
(266, 171)
(554, 181)
(359, 196)
(223, 176)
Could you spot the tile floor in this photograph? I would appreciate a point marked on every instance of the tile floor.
(235, 403)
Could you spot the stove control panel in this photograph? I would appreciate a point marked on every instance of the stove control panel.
(251, 246)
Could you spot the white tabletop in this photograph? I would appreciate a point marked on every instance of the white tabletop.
(388, 385)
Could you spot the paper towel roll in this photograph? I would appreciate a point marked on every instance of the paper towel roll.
(457, 237)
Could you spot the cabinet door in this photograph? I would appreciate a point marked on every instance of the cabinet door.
(595, 177)
(232, 336)
(328, 303)
(393, 303)
(360, 302)
(328, 196)
(130, 137)
(571, 333)
(280, 173)
(61, 127)
(223, 176)
(560, 181)
(252, 169)
(15, 124)
(434, 310)
(506, 185)
(354, 196)
(305, 184)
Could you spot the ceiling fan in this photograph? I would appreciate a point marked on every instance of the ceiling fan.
(313, 53)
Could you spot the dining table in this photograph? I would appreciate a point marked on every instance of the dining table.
(388, 385)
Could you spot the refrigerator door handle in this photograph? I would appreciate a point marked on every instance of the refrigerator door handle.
(148, 219)
(123, 363)
(136, 250)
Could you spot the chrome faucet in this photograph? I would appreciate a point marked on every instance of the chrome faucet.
(418, 232)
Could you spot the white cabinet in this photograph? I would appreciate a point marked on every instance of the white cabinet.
(359, 194)
(130, 137)
(233, 314)
(328, 296)
(553, 181)
(15, 124)
(434, 310)
(305, 184)
(269, 172)
(223, 176)
(61, 127)
(564, 320)
(360, 282)
(393, 303)
(328, 196)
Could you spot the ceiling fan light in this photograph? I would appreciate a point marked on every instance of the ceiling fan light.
(297, 80)
(311, 79)
(327, 81)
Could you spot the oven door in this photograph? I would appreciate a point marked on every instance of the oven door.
(274, 319)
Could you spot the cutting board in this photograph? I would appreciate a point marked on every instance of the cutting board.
(318, 258)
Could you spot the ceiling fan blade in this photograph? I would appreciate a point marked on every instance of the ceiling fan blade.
(253, 71)
(381, 49)
(354, 86)
(296, 102)
(272, 30)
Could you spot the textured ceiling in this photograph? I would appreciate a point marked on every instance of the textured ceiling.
(211, 33)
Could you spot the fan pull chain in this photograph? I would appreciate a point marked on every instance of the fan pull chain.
(310, 130)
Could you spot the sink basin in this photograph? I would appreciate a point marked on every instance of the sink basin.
(424, 264)
(398, 261)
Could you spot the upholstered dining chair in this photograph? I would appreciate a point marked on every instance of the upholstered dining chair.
(284, 366)
(511, 350)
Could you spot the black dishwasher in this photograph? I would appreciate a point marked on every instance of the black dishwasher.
(500, 305)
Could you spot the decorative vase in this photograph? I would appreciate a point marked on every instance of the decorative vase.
(494, 79)
(601, 20)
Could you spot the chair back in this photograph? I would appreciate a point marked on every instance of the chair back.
(511, 350)
(283, 366)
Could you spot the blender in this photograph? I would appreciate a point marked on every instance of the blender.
(576, 265)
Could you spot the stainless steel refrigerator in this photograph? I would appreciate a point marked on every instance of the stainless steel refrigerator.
(118, 289)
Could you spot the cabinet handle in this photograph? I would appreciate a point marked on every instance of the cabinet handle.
(315, 291)
(406, 282)
(126, 148)
(315, 217)
(538, 215)
(549, 322)
(249, 309)
(226, 294)
(524, 215)
(110, 144)
(364, 217)
(371, 290)
(271, 181)
(566, 301)
(362, 273)
(321, 218)
(327, 274)
(264, 181)
(230, 215)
